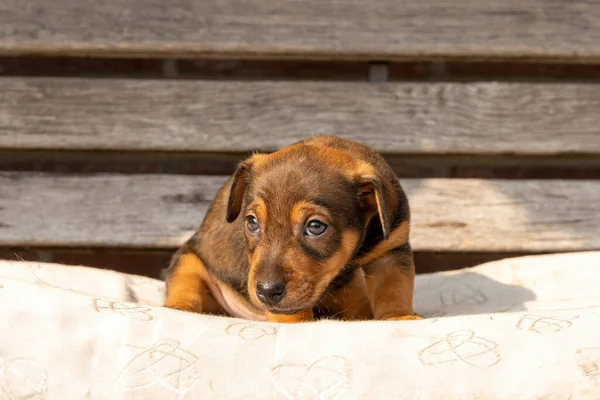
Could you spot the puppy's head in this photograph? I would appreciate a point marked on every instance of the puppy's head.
(304, 211)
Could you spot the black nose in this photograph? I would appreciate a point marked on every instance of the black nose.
(270, 292)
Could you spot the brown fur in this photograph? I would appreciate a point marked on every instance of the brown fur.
(344, 184)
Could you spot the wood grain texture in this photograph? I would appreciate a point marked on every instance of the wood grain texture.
(161, 211)
(407, 118)
(349, 29)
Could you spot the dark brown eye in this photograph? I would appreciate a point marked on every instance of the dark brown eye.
(252, 224)
(315, 228)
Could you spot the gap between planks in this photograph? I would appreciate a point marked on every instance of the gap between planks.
(197, 163)
(276, 69)
(152, 262)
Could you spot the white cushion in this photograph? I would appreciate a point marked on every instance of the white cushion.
(522, 328)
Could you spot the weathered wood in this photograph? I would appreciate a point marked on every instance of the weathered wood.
(161, 211)
(407, 118)
(376, 30)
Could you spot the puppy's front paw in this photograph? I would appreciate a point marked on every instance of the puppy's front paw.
(304, 316)
(413, 317)
(182, 306)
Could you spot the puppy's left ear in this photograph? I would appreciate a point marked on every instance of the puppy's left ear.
(379, 195)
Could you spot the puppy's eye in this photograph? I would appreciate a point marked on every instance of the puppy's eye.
(315, 228)
(252, 224)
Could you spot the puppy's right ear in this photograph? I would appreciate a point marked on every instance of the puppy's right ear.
(238, 190)
(239, 184)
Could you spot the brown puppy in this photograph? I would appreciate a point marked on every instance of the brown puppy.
(317, 228)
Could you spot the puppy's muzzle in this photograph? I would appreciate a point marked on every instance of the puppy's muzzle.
(270, 292)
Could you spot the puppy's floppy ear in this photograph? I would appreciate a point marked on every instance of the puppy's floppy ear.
(238, 190)
(239, 184)
(377, 194)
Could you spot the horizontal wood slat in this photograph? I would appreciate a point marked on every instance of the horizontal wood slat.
(238, 116)
(349, 29)
(159, 211)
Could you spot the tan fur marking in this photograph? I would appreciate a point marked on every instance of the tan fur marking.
(413, 317)
(335, 264)
(398, 237)
(302, 208)
(252, 261)
(186, 285)
(381, 210)
(191, 288)
(352, 301)
(304, 316)
(390, 287)
(260, 209)
(298, 211)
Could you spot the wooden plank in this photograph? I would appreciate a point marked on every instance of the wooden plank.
(161, 211)
(345, 29)
(239, 116)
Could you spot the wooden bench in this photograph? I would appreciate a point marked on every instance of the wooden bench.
(120, 119)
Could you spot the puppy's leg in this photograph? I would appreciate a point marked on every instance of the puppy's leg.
(304, 316)
(186, 287)
(390, 281)
(350, 302)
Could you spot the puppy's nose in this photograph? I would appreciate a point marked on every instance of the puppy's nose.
(270, 292)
